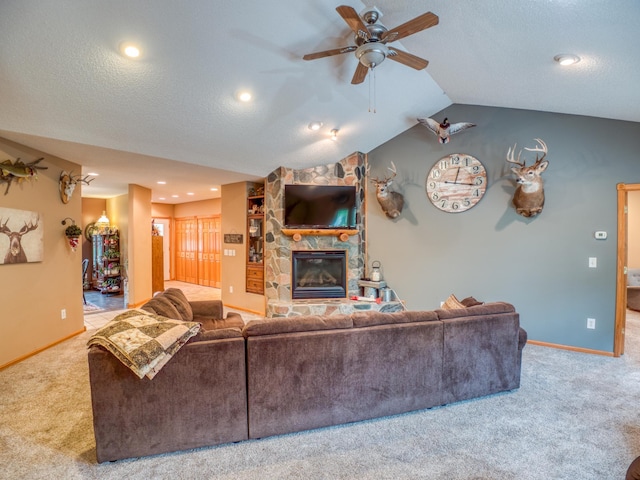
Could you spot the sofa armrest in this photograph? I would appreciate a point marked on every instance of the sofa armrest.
(207, 308)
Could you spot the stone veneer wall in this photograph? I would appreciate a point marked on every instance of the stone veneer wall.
(278, 247)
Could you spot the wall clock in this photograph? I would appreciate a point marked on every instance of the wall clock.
(456, 183)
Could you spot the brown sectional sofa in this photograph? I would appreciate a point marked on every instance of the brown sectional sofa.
(284, 375)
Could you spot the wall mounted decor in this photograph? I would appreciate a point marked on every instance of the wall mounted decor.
(19, 171)
(456, 183)
(528, 198)
(445, 129)
(391, 202)
(24, 232)
(68, 182)
(73, 233)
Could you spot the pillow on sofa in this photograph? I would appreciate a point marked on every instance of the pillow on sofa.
(179, 300)
(161, 305)
(470, 302)
(452, 303)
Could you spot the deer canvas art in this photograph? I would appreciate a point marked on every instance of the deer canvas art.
(21, 236)
(528, 198)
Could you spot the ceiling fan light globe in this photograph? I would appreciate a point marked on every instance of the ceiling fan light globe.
(371, 54)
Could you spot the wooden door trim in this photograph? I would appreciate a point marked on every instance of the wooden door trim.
(621, 263)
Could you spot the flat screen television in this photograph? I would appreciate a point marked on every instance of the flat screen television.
(319, 206)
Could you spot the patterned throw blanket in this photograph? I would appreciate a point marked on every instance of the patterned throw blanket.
(144, 342)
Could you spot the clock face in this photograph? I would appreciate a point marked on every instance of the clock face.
(456, 183)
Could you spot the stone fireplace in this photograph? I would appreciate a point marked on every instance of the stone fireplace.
(318, 274)
(280, 246)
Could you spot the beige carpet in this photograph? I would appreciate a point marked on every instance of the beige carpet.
(576, 416)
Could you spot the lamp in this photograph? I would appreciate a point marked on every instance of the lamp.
(103, 222)
(334, 134)
(314, 125)
(372, 54)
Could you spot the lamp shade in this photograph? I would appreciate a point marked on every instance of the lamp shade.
(103, 221)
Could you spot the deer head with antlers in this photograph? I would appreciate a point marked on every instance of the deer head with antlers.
(68, 182)
(15, 253)
(391, 202)
(529, 195)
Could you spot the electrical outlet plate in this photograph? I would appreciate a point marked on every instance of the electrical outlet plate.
(591, 323)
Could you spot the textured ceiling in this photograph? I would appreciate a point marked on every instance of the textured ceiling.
(173, 115)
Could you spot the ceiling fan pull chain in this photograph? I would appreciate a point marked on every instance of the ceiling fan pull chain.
(372, 88)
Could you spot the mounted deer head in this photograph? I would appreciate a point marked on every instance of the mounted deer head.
(391, 202)
(529, 195)
(68, 184)
(16, 254)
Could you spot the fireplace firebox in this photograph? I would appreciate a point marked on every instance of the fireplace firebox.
(319, 274)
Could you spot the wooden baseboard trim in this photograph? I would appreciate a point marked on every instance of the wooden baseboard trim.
(35, 352)
(255, 312)
(573, 349)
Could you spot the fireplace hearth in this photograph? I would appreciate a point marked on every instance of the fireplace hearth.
(319, 274)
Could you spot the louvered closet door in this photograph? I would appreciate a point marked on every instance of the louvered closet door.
(210, 244)
(186, 249)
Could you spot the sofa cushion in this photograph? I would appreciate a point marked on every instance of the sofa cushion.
(470, 302)
(452, 303)
(179, 300)
(160, 305)
(371, 318)
(307, 323)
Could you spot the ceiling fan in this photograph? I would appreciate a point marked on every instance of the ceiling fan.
(371, 40)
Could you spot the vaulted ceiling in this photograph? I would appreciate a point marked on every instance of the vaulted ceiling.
(173, 113)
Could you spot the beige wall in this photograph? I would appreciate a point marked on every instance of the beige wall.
(205, 208)
(234, 220)
(633, 222)
(139, 246)
(162, 210)
(32, 295)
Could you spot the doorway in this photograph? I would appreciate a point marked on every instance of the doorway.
(624, 190)
(163, 226)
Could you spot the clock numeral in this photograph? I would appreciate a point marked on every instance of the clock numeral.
(475, 169)
(455, 160)
(466, 161)
(432, 185)
(435, 173)
(443, 164)
(476, 192)
(435, 196)
(478, 181)
(455, 206)
(466, 202)
(443, 203)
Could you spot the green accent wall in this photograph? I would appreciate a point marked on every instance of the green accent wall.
(540, 264)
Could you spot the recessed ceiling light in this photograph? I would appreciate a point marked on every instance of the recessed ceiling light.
(130, 50)
(93, 174)
(244, 96)
(214, 189)
(161, 182)
(175, 196)
(315, 126)
(566, 58)
(161, 198)
(190, 193)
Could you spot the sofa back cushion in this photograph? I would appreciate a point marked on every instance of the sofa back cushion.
(179, 300)
(161, 305)
(476, 311)
(371, 318)
(305, 323)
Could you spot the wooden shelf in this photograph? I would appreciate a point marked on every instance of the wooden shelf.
(297, 233)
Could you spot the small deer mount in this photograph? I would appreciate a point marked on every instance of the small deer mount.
(528, 198)
(68, 184)
(391, 202)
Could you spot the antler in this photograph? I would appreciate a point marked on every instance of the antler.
(541, 148)
(510, 156)
(78, 178)
(4, 228)
(29, 227)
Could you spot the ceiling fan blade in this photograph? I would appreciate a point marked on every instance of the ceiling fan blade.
(354, 21)
(360, 75)
(418, 24)
(407, 59)
(329, 53)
